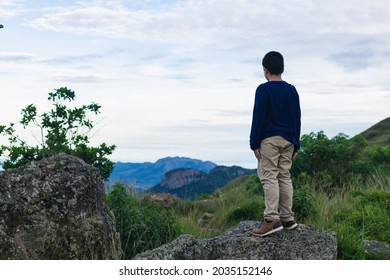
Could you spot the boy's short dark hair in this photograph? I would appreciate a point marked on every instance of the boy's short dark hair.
(274, 63)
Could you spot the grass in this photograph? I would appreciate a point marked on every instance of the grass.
(379, 133)
(358, 211)
(227, 207)
(141, 226)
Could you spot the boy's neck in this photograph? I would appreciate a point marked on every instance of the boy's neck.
(271, 78)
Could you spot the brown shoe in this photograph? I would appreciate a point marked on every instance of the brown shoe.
(267, 228)
(289, 225)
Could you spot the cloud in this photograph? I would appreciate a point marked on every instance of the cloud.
(295, 27)
(71, 59)
(155, 57)
(361, 54)
(21, 60)
(196, 23)
(184, 62)
(202, 128)
(82, 79)
(179, 77)
(353, 60)
(16, 57)
(189, 60)
(9, 9)
(86, 60)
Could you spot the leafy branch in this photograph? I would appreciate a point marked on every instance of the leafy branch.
(63, 130)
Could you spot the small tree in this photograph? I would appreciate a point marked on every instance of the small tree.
(332, 159)
(63, 130)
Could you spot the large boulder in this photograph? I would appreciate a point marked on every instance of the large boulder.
(302, 243)
(55, 209)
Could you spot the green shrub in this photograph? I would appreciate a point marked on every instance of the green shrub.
(253, 186)
(333, 161)
(380, 198)
(248, 210)
(381, 155)
(304, 203)
(372, 215)
(366, 216)
(141, 226)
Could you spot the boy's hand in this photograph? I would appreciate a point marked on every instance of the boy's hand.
(257, 154)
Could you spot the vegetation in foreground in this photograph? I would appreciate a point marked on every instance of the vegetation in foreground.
(341, 184)
(141, 226)
(355, 216)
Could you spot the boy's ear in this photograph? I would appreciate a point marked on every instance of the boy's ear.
(266, 73)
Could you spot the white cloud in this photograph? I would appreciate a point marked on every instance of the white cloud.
(5, 3)
(205, 22)
(180, 75)
(9, 9)
(82, 79)
(16, 57)
(186, 22)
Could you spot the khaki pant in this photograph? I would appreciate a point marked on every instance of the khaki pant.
(274, 173)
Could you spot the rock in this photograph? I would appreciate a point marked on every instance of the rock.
(207, 216)
(303, 243)
(165, 200)
(210, 202)
(201, 222)
(378, 248)
(55, 209)
(204, 220)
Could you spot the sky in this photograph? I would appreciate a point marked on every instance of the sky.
(178, 78)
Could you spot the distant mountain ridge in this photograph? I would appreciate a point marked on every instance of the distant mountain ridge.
(178, 178)
(147, 174)
(190, 183)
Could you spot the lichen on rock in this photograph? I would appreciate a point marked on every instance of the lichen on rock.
(55, 209)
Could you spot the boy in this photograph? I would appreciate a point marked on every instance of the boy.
(274, 138)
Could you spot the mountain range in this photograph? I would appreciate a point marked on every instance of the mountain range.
(186, 177)
(146, 175)
(190, 183)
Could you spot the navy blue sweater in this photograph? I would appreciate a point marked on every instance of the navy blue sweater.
(276, 113)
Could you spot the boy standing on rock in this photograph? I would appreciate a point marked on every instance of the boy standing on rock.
(274, 138)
